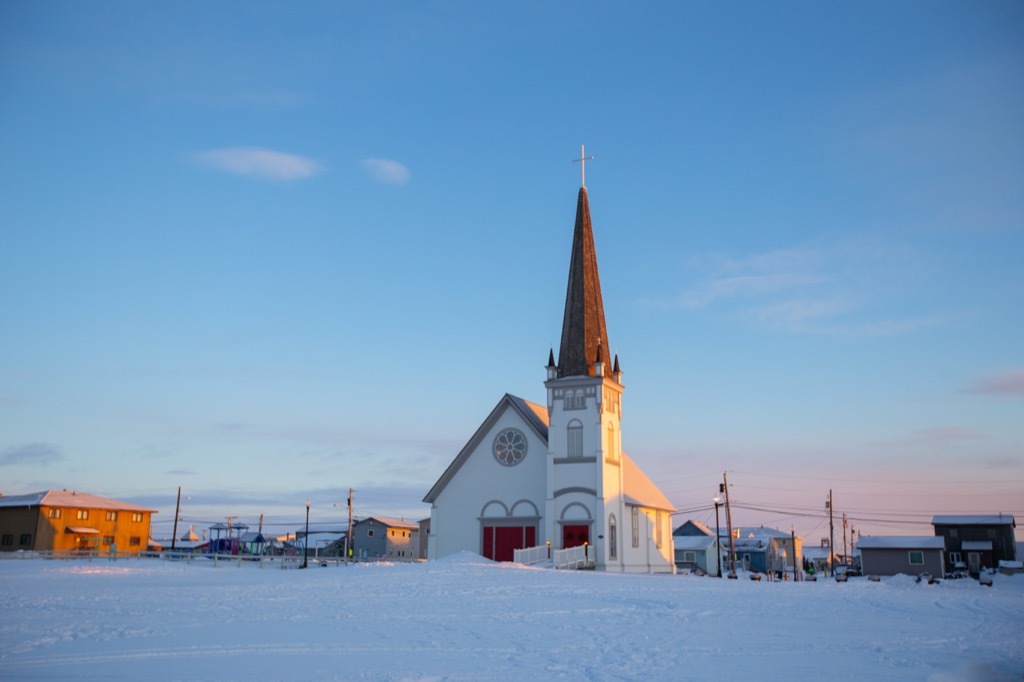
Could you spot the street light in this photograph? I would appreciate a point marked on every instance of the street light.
(305, 548)
(718, 536)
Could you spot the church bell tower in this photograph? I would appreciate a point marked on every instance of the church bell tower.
(584, 501)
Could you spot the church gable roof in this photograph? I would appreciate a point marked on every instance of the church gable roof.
(584, 333)
(535, 416)
(639, 490)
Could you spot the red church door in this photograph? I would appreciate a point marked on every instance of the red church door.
(574, 536)
(501, 542)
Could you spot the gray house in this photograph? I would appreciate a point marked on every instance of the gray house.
(894, 554)
(380, 537)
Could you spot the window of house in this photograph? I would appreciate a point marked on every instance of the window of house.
(137, 516)
(7, 540)
(613, 538)
(954, 557)
(953, 533)
(916, 558)
(134, 541)
(635, 522)
(54, 513)
(689, 557)
(575, 442)
(991, 533)
(82, 514)
(111, 516)
(26, 539)
(108, 539)
(369, 533)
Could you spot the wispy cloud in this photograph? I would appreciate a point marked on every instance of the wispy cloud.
(846, 288)
(265, 164)
(37, 454)
(386, 171)
(1010, 382)
(935, 436)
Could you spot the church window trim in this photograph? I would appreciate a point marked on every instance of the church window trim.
(574, 443)
(510, 447)
(575, 400)
(635, 518)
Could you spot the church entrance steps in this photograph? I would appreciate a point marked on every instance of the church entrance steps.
(573, 558)
(532, 555)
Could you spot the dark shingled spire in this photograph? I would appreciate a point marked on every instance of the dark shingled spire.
(583, 329)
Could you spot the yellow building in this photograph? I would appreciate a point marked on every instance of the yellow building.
(69, 520)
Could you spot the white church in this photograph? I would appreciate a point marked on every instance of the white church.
(555, 474)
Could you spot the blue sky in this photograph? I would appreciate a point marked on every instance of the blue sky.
(269, 252)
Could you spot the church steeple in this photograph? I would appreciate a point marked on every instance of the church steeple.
(583, 327)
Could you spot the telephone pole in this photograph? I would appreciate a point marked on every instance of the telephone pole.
(348, 538)
(846, 557)
(177, 508)
(831, 536)
(728, 521)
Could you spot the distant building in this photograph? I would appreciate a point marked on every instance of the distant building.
(976, 541)
(788, 546)
(65, 520)
(380, 537)
(893, 554)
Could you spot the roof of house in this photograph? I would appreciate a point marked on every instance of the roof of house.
(900, 542)
(69, 498)
(976, 545)
(761, 531)
(701, 529)
(390, 522)
(692, 542)
(974, 520)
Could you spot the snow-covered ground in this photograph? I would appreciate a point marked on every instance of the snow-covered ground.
(469, 619)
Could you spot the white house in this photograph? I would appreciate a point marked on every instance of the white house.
(556, 473)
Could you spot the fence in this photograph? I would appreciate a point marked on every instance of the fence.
(532, 555)
(573, 557)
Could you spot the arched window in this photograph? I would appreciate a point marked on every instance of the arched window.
(574, 445)
(613, 538)
(612, 451)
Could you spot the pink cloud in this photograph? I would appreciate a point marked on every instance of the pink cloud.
(1010, 382)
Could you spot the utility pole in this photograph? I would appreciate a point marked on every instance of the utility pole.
(846, 557)
(348, 538)
(831, 536)
(728, 521)
(853, 545)
(261, 524)
(177, 508)
(718, 531)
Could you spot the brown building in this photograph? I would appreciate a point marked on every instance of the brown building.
(69, 520)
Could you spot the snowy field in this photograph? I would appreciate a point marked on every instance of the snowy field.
(468, 619)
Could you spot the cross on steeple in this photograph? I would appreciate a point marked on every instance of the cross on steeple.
(582, 161)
